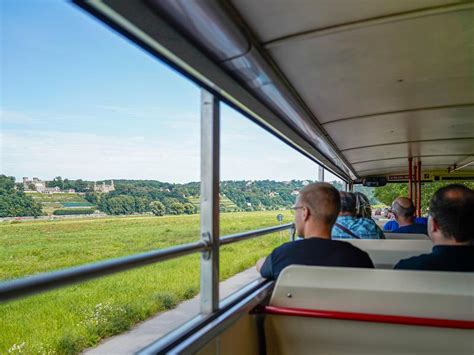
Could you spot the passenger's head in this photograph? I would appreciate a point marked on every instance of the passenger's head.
(363, 209)
(451, 215)
(403, 209)
(348, 204)
(317, 205)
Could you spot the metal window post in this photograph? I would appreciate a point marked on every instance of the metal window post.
(210, 137)
(418, 194)
(321, 174)
(410, 178)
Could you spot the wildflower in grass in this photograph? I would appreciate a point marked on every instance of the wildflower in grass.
(107, 319)
(17, 348)
(44, 349)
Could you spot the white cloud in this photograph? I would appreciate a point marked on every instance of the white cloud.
(93, 157)
(30, 118)
(8, 116)
(152, 112)
(247, 151)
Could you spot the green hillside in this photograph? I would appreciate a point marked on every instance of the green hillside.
(56, 197)
(57, 201)
(225, 204)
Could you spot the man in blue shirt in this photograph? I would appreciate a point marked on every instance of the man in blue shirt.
(404, 212)
(451, 230)
(316, 210)
(347, 226)
(391, 225)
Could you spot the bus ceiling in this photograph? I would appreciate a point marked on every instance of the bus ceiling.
(356, 86)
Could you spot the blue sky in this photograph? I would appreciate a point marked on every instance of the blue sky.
(80, 101)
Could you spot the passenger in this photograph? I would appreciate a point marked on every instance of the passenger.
(363, 209)
(404, 211)
(391, 225)
(348, 226)
(316, 210)
(450, 228)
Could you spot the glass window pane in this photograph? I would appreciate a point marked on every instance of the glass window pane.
(100, 156)
(260, 179)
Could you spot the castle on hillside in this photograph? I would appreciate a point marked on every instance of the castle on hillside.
(103, 187)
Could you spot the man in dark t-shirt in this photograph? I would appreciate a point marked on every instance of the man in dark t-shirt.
(316, 210)
(450, 228)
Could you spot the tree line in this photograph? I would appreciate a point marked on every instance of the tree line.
(160, 198)
(390, 192)
(13, 200)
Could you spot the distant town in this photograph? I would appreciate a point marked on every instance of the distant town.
(63, 197)
(41, 186)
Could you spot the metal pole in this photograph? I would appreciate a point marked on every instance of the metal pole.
(410, 178)
(210, 150)
(321, 174)
(415, 190)
(418, 213)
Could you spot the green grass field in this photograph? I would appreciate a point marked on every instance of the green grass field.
(67, 320)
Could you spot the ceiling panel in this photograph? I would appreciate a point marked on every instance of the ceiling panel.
(285, 17)
(403, 170)
(453, 147)
(394, 66)
(446, 123)
(444, 161)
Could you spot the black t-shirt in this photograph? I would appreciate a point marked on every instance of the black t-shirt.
(442, 258)
(315, 252)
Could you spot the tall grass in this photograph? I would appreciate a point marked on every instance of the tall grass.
(67, 320)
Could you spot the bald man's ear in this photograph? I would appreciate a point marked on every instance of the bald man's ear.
(434, 225)
(306, 213)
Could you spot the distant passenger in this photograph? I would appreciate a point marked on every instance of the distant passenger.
(348, 226)
(316, 210)
(450, 228)
(363, 209)
(404, 212)
(391, 225)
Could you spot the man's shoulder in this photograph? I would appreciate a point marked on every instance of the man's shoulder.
(347, 247)
(419, 262)
(412, 228)
(390, 225)
(289, 246)
(351, 254)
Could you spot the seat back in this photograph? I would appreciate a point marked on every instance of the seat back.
(386, 253)
(390, 293)
(406, 236)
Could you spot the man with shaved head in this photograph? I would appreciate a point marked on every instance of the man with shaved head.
(404, 212)
(451, 230)
(316, 210)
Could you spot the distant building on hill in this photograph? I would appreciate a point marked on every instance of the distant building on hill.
(34, 185)
(103, 187)
(40, 186)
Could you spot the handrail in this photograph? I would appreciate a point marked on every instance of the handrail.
(232, 238)
(369, 317)
(25, 286)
